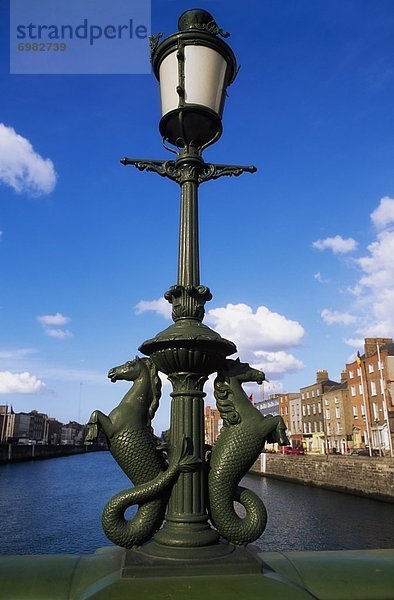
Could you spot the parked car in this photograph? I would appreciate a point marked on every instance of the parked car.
(365, 452)
(291, 450)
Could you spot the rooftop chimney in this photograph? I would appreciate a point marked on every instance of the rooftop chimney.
(371, 343)
(321, 375)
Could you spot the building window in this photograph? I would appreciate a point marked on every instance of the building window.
(309, 427)
(315, 426)
(304, 426)
(351, 374)
(328, 415)
(363, 410)
(380, 365)
(375, 411)
(355, 412)
(320, 426)
(371, 368)
(329, 429)
(336, 400)
(302, 396)
(319, 408)
(359, 371)
(314, 409)
(318, 392)
(382, 386)
(327, 402)
(313, 393)
(303, 410)
(373, 388)
(308, 408)
(360, 389)
(307, 394)
(337, 412)
(339, 428)
(353, 390)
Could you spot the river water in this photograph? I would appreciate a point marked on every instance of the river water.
(54, 506)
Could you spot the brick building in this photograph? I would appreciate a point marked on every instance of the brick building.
(370, 381)
(312, 411)
(213, 424)
(337, 419)
(295, 421)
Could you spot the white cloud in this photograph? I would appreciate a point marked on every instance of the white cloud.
(57, 319)
(159, 306)
(60, 334)
(20, 383)
(267, 388)
(277, 363)
(383, 215)
(49, 323)
(21, 167)
(16, 354)
(330, 317)
(377, 286)
(260, 336)
(337, 244)
(263, 329)
(372, 303)
(378, 266)
(354, 342)
(318, 276)
(373, 292)
(273, 387)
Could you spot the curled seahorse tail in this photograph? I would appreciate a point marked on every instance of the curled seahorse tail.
(144, 525)
(240, 530)
(150, 514)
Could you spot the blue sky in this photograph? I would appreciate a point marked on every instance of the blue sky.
(299, 256)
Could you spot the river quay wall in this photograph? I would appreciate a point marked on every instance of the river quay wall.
(11, 453)
(372, 477)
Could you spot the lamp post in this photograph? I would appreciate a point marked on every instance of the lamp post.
(194, 67)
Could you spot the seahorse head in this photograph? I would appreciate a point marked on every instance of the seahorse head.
(230, 397)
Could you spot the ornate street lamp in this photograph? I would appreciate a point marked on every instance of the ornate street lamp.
(194, 68)
(183, 484)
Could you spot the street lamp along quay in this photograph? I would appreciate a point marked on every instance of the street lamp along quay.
(199, 551)
(194, 68)
(193, 491)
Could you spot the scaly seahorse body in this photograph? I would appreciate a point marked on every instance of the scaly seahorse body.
(235, 451)
(239, 444)
(152, 496)
(136, 453)
(134, 446)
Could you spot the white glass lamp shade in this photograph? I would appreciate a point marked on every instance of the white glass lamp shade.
(204, 79)
(194, 69)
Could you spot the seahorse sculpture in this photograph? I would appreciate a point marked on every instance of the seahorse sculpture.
(135, 448)
(242, 438)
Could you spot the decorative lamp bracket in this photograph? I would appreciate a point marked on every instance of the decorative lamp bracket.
(176, 172)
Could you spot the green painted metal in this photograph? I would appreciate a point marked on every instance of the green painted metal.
(116, 574)
(187, 558)
(245, 430)
(196, 491)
